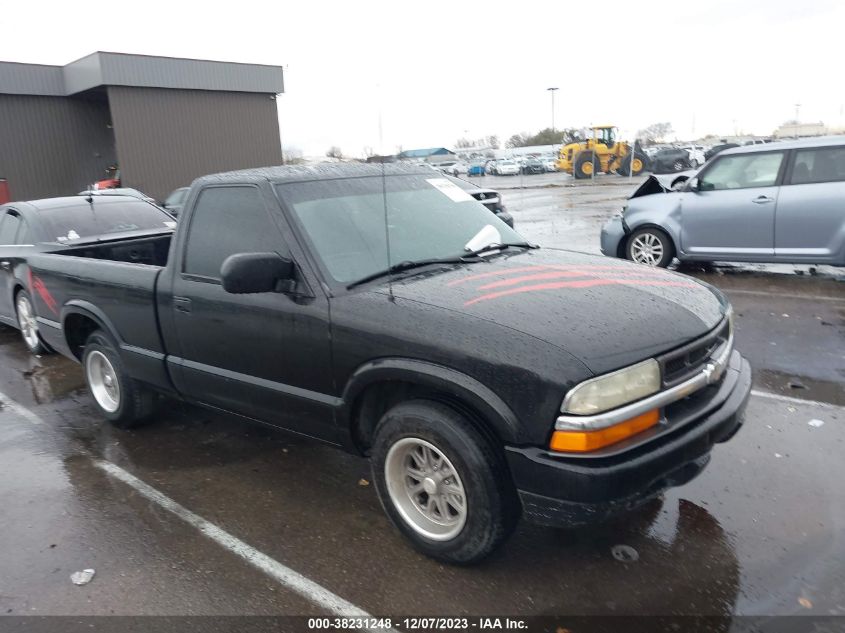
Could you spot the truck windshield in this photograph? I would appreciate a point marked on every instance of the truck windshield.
(428, 217)
(103, 216)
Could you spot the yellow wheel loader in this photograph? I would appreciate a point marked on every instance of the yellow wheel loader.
(602, 152)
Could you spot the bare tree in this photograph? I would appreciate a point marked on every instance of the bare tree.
(368, 151)
(517, 140)
(654, 133)
(334, 152)
(292, 156)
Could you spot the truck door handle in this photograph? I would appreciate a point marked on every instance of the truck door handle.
(182, 304)
(762, 200)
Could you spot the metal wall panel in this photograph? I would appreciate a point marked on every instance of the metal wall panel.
(31, 79)
(166, 138)
(117, 69)
(53, 146)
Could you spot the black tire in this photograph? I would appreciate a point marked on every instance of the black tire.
(646, 235)
(135, 401)
(35, 345)
(491, 502)
(582, 159)
(625, 167)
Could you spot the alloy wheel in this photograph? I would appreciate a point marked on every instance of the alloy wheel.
(647, 248)
(27, 322)
(426, 489)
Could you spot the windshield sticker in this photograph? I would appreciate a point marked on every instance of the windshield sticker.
(71, 235)
(450, 189)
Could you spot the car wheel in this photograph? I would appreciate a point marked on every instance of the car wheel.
(28, 324)
(678, 165)
(443, 485)
(121, 400)
(650, 246)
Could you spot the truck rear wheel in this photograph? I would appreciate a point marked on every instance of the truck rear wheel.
(121, 400)
(442, 483)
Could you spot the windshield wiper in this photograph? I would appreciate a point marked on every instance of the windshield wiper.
(411, 264)
(464, 258)
(499, 247)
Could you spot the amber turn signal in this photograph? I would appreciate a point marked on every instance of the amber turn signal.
(586, 441)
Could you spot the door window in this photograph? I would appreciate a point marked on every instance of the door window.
(825, 164)
(227, 221)
(742, 171)
(23, 236)
(9, 228)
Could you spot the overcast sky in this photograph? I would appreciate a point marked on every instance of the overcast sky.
(437, 71)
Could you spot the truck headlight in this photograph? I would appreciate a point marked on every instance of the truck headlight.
(613, 390)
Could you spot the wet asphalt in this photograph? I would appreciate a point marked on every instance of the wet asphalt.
(760, 532)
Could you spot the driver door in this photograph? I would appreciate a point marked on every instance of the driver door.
(732, 210)
(263, 355)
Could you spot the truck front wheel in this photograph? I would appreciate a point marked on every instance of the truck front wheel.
(121, 400)
(442, 483)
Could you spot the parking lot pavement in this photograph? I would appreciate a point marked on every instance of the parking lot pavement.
(762, 527)
(202, 513)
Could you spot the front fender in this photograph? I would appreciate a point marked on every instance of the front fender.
(468, 390)
(662, 211)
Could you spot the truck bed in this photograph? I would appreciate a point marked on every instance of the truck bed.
(116, 279)
(151, 250)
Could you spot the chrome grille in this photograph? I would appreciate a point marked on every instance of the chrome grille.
(682, 363)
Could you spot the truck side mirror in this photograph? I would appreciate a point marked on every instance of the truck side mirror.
(251, 273)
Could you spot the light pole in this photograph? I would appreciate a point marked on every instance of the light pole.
(552, 90)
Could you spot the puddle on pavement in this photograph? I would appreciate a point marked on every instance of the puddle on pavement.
(49, 377)
(802, 387)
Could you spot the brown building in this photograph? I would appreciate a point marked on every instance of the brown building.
(162, 121)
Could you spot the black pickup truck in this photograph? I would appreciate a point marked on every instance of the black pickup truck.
(382, 309)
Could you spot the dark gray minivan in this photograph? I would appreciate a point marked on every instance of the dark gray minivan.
(779, 202)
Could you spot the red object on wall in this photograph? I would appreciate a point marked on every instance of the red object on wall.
(5, 196)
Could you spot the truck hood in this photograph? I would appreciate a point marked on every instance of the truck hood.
(605, 312)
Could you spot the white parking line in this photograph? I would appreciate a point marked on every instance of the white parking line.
(10, 405)
(291, 579)
(791, 400)
(286, 576)
(780, 295)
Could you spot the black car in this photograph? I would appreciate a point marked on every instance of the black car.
(669, 160)
(53, 225)
(371, 308)
(490, 198)
(710, 153)
(533, 166)
(175, 201)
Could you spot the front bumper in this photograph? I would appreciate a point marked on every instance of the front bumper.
(566, 491)
(612, 236)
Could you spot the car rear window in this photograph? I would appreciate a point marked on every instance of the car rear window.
(102, 216)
